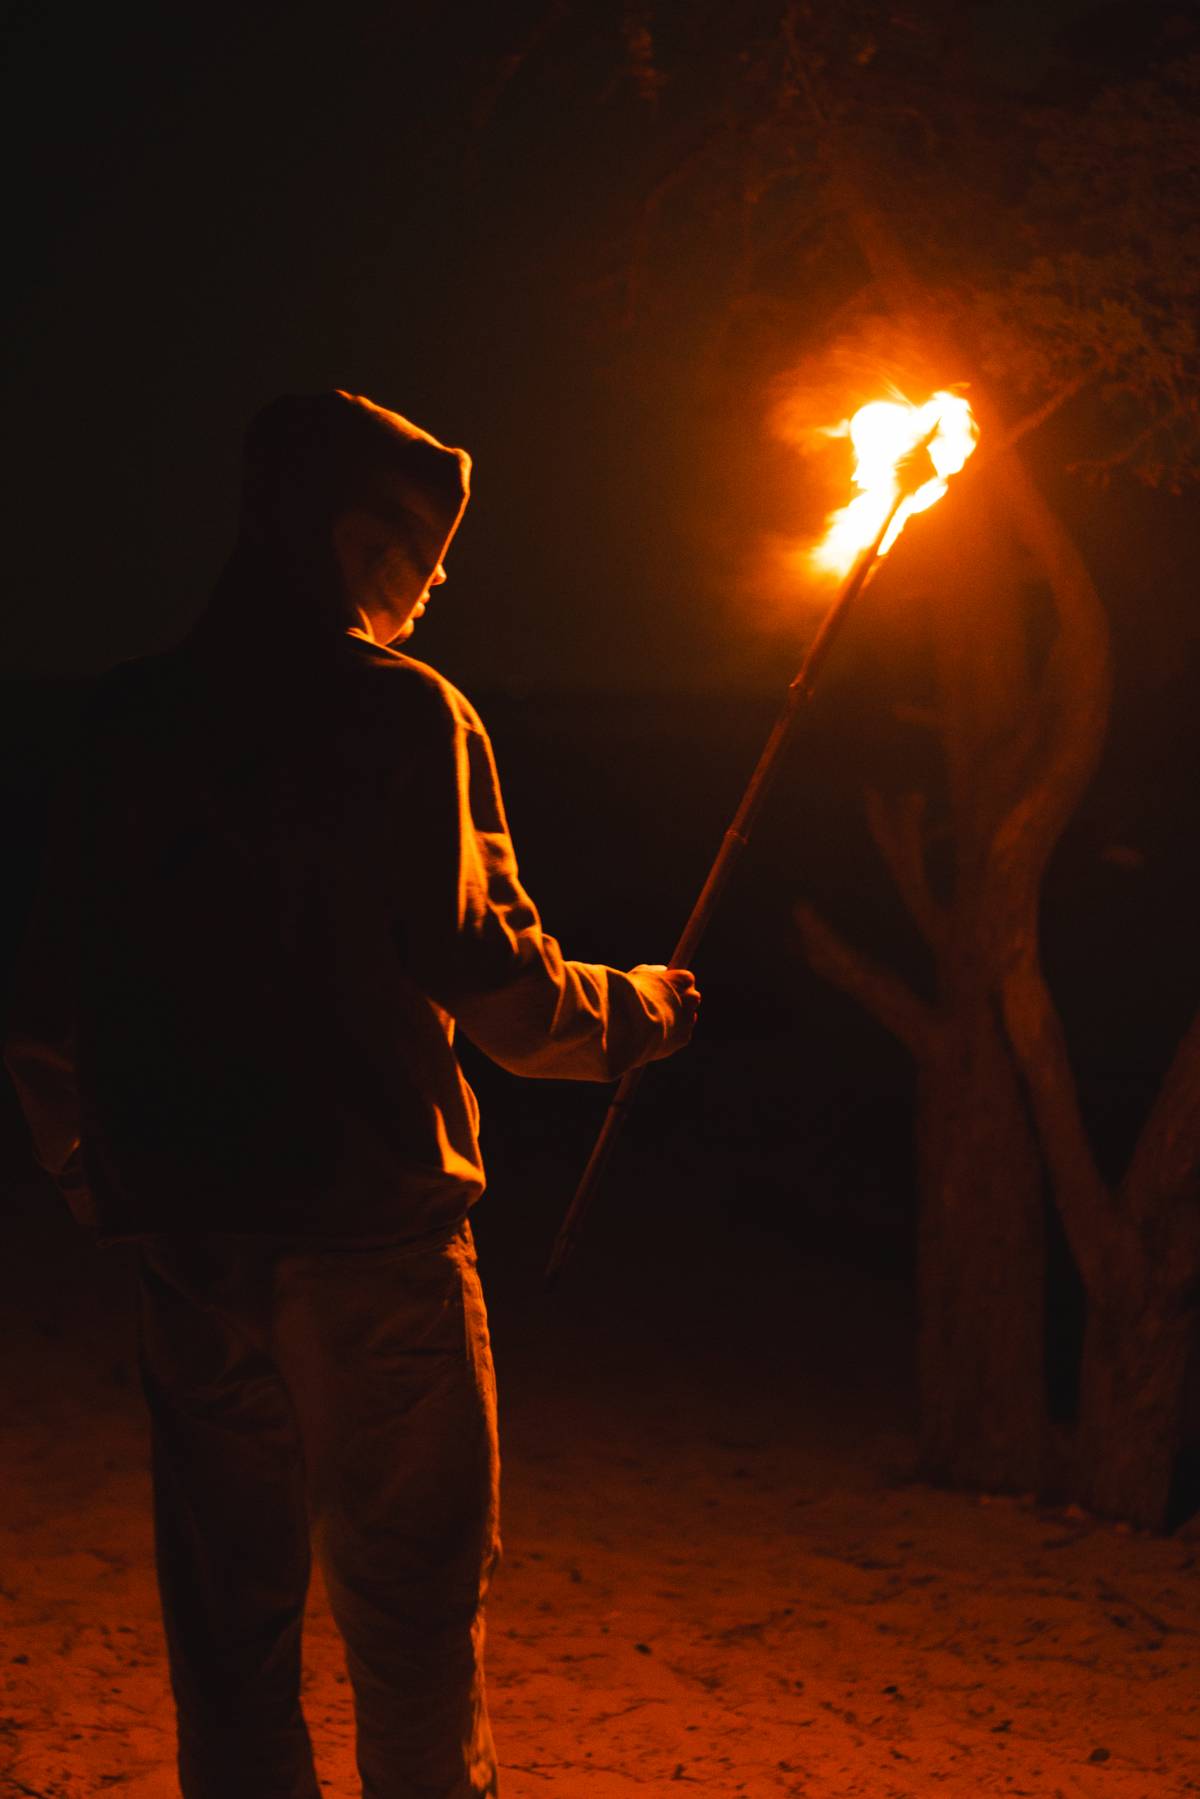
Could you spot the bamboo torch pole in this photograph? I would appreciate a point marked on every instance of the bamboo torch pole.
(913, 472)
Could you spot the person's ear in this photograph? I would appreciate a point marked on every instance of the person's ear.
(358, 543)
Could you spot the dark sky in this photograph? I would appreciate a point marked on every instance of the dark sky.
(222, 208)
(218, 206)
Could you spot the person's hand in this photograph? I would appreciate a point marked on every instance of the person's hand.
(682, 983)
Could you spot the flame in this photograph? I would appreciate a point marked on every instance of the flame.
(882, 433)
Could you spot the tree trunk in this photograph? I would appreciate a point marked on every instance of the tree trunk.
(1135, 1358)
(980, 1260)
(1144, 1311)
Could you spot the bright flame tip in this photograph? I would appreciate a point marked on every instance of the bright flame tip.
(882, 433)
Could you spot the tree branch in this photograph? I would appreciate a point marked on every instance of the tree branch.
(1077, 683)
(881, 992)
(1040, 414)
(898, 834)
(1078, 675)
(1105, 464)
(1085, 1205)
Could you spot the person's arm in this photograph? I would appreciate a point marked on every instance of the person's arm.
(474, 941)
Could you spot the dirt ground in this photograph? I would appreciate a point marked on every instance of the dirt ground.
(719, 1574)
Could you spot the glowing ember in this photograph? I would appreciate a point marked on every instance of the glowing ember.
(882, 433)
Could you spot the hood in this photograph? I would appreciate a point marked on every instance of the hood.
(307, 458)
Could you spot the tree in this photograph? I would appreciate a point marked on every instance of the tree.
(957, 231)
(999, 1108)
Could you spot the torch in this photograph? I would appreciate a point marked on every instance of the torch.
(904, 456)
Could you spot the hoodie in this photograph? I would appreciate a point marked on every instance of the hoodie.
(280, 879)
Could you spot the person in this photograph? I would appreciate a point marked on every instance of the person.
(279, 879)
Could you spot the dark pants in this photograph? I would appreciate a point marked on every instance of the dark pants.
(349, 1391)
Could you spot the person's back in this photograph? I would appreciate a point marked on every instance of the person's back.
(260, 867)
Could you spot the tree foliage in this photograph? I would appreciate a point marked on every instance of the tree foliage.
(1056, 228)
(1109, 292)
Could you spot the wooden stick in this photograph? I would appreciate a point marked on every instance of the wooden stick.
(916, 472)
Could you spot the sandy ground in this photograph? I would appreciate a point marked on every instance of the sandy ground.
(718, 1573)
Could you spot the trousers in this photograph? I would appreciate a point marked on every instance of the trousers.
(338, 1396)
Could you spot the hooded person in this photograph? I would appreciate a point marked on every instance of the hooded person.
(279, 880)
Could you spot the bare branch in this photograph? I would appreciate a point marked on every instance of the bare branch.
(1039, 415)
(881, 992)
(898, 831)
(1095, 465)
(1085, 1205)
(1077, 684)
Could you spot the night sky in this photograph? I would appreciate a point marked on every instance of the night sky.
(222, 207)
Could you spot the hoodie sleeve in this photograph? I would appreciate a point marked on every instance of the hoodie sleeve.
(473, 941)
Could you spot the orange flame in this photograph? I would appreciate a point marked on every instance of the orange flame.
(883, 432)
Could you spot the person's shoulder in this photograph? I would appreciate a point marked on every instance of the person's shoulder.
(395, 686)
(401, 712)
